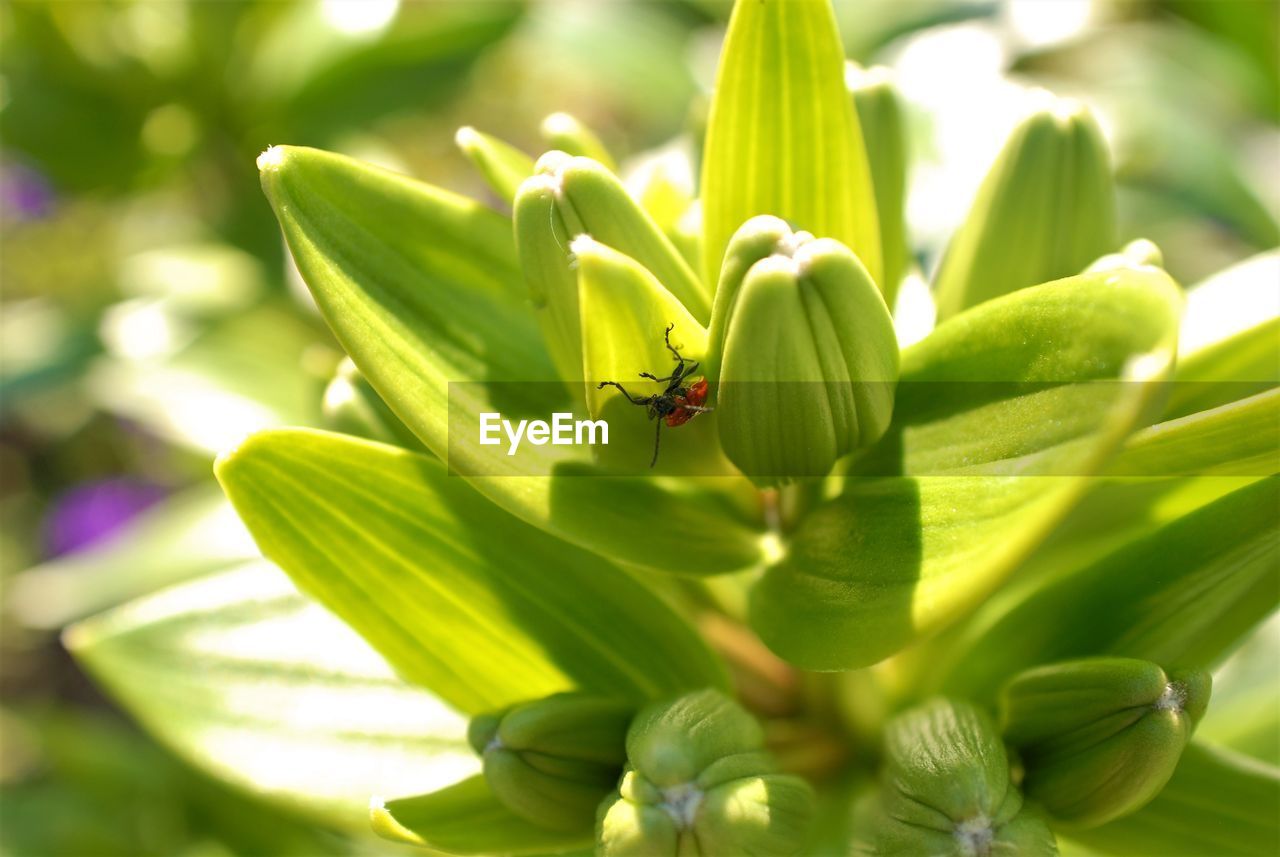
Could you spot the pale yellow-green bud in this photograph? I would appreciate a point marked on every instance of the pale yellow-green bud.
(698, 782)
(807, 357)
(1045, 210)
(552, 760)
(1100, 737)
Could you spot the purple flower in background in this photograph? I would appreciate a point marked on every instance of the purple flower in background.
(93, 511)
(25, 194)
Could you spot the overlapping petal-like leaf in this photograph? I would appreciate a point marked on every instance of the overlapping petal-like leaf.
(459, 596)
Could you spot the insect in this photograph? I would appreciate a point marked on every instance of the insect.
(676, 405)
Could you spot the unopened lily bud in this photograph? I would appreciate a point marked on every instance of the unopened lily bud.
(571, 196)
(552, 761)
(884, 133)
(699, 782)
(1045, 210)
(1135, 254)
(1100, 737)
(502, 165)
(809, 357)
(947, 791)
(568, 134)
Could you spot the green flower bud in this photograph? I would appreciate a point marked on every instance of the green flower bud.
(808, 356)
(551, 761)
(502, 165)
(567, 134)
(884, 133)
(699, 782)
(947, 791)
(1135, 254)
(571, 196)
(1099, 738)
(602, 208)
(1045, 210)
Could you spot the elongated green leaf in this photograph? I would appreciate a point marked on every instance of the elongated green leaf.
(783, 137)
(1182, 594)
(262, 687)
(188, 535)
(1245, 715)
(1016, 424)
(1217, 803)
(1239, 438)
(467, 819)
(408, 557)
(422, 289)
(1230, 341)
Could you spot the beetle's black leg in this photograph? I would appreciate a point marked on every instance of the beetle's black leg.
(653, 378)
(657, 440)
(667, 338)
(635, 400)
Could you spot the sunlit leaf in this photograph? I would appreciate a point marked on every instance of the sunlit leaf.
(407, 556)
(260, 686)
(783, 137)
(467, 819)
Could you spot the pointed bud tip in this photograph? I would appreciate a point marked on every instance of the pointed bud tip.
(583, 244)
(466, 138)
(272, 159)
(559, 123)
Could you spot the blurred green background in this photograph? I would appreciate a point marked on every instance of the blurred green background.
(149, 318)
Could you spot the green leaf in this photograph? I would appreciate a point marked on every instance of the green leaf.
(416, 315)
(190, 534)
(1245, 715)
(1045, 210)
(406, 555)
(251, 681)
(1183, 593)
(467, 819)
(1229, 346)
(1217, 802)
(783, 137)
(503, 166)
(1018, 424)
(1241, 438)
(352, 406)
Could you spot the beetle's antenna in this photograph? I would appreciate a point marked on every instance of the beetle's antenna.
(657, 441)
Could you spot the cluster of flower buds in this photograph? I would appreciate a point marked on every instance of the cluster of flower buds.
(698, 781)
(1100, 737)
(551, 761)
(947, 791)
